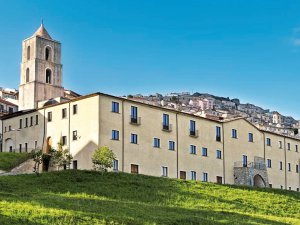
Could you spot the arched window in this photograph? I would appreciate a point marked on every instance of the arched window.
(28, 53)
(27, 75)
(48, 76)
(48, 53)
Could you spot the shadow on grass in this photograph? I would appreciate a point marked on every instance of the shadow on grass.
(124, 198)
(84, 210)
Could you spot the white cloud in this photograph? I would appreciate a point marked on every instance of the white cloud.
(296, 41)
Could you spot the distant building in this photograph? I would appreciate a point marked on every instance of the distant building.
(277, 118)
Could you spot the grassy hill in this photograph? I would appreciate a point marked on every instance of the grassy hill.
(9, 160)
(86, 197)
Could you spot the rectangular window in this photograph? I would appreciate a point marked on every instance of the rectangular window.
(297, 168)
(36, 119)
(75, 135)
(134, 168)
(192, 128)
(250, 137)
(296, 147)
(115, 135)
(280, 144)
(49, 116)
(115, 107)
(9, 128)
(204, 177)
(26, 122)
(193, 149)
(20, 147)
(166, 122)
(115, 165)
(165, 171)
(289, 167)
(204, 151)
(31, 121)
(269, 163)
(35, 144)
(134, 114)
(134, 139)
(218, 133)
(20, 124)
(193, 175)
(268, 141)
(288, 146)
(171, 145)
(245, 161)
(219, 154)
(26, 147)
(182, 175)
(64, 140)
(64, 113)
(280, 165)
(75, 108)
(156, 143)
(234, 133)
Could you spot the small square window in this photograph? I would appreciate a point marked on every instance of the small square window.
(234, 133)
(115, 107)
(171, 145)
(75, 109)
(156, 143)
(134, 139)
(64, 113)
(75, 135)
(165, 171)
(205, 177)
(49, 116)
(64, 140)
(115, 135)
(193, 149)
(219, 154)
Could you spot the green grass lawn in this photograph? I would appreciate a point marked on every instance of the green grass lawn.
(88, 197)
(9, 160)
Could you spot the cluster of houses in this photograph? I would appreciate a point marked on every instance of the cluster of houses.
(210, 106)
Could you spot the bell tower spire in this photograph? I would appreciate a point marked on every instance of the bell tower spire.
(41, 69)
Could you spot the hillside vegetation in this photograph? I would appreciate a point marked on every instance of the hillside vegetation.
(9, 160)
(88, 197)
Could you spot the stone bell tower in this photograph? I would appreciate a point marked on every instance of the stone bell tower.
(41, 70)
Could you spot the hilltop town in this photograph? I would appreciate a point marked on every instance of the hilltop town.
(221, 108)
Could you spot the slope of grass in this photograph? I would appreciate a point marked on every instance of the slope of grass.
(86, 197)
(9, 160)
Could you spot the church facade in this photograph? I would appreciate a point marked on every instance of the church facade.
(146, 139)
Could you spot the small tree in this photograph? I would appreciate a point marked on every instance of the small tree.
(103, 158)
(37, 156)
(60, 157)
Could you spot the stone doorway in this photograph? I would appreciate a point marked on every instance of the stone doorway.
(259, 181)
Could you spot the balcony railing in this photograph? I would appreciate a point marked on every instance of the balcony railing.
(254, 165)
(194, 133)
(135, 120)
(167, 127)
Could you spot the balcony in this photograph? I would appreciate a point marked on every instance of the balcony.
(135, 120)
(194, 133)
(252, 165)
(167, 127)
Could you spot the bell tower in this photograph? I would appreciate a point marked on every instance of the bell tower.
(41, 70)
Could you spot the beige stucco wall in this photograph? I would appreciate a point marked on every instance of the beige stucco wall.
(235, 148)
(95, 121)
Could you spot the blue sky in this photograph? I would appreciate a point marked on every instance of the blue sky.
(244, 49)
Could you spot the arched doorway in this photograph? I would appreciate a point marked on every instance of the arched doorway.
(46, 155)
(9, 145)
(259, 181)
